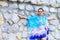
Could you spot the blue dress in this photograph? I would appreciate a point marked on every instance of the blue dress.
(37, 26)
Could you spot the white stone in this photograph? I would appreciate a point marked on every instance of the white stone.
(47, 1)
(51, 37)
(4, 10)
(57, 35)
(1, 37)
(21, 0)
(33, 1)
(22, 6)
(25, 29)
(54, 22)
(10, 22)
(27, 13)
(15, 28)
(5, 27)
(21, 13)
(24, 34)
(52, 28)
(12, 11)
(13, 5)
(58, 15)
(1, 18)
(53, 10)
(12, 0)
(3, 3)
(59, 10)
(6, 16)
(24, 39)
(46, 9)
(21, 28)
(52, 1)
(4, 35)
(26, 0)
(58, 27)
(11, 36)
(15, 18)
(15, 11)
(0, 31)
(23, 21)
(32, 13)
(37, 7)
(29, 7)
(18, 36)
(58, 1)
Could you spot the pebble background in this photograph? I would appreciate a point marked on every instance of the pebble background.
(14, 28)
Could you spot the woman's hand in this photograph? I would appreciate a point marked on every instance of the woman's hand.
(54, 18)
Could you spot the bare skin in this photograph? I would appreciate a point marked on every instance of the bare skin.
(40, 13)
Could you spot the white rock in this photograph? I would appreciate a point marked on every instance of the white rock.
(21, 0)
(32, 13)
(18, 36)
(54, 22)
(21, 28)
(56, 34)
(13, 5)
(0, 31)
(5, 27)
(1, 18)
(21, 13)
(58, 15)
(10, 22)
(29, 7)
(7, 17)
(58, 27)
(37, 7)
(1, 37)
(12, 0)
(23, 21)
(11, 36)
(33, 1)
(26, 0)
(58, 1)
(4, 35)
(25, 29)
(52, 1)
(3, 3)
(15, 28)
(15, 18)
(47, 1)
(51, 37)
(22, 6)
(4, 10)
(53, 10)
(24, 39)
(46, 9)
(52, 28)
(59, 10)
(24, 34)
(27, 13)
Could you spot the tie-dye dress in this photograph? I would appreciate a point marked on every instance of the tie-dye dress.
(37, 26)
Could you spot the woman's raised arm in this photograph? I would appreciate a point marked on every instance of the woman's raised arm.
(23, 17)
(53, 18)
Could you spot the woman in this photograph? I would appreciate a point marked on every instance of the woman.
(37, 26)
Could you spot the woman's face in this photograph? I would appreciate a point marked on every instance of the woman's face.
(40, 12)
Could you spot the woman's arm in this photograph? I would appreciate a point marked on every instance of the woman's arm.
(20, 16)
(53, 18)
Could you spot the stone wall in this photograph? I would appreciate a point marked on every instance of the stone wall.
(13, 28)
